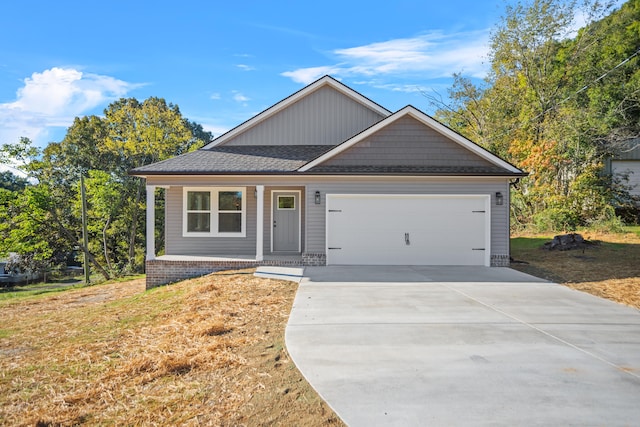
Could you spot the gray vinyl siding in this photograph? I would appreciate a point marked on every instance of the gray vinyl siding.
(324, 117)
(313, 216)
(407, 142)
(177, 244)
(316, 227)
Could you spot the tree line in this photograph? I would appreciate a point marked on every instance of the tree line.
(40, 218)
(557, 103)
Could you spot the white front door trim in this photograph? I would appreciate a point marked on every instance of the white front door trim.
(273, 207)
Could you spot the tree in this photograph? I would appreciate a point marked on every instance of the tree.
(44, 219)
(553, 102)
(12, 182)
(139, 134)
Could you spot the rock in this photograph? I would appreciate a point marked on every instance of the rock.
(567, 242)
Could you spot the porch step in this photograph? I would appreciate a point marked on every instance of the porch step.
(280, 273)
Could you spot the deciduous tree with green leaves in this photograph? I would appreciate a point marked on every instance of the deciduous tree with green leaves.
(44, 218)
(556, 102)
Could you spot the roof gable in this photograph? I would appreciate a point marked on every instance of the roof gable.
(324, 112)
(410, 141)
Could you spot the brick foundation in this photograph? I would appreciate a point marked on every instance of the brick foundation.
(500, 261)
(162, 272)
(314, 259)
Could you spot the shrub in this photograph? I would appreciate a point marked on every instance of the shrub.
(556, 219)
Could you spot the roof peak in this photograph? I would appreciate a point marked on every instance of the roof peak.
(324, 81)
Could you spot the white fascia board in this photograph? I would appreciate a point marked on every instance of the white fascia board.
(423, 118)
(290, 100)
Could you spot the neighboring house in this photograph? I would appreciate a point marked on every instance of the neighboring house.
(626, 163)
(329, 177)
(10, 277)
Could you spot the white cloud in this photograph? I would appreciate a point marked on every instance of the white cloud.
(240, 97)
(245, 67)
(52, 99)
(215, 96)
(215, 129)
(13, 170)
(428, 56)
(309, 75)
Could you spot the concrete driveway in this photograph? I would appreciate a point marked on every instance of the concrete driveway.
(464, 346)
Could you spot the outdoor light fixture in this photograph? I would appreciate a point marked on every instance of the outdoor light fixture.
(317, 197)
(499, 198)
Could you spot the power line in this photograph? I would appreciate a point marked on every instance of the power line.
(582, 89)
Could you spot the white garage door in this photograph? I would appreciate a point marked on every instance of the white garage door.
(408, 229)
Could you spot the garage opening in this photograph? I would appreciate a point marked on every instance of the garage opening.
(393, 229)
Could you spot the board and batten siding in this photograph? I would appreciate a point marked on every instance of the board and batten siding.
(316, 227)
(407, 142)
(325, 116)
(177, 244)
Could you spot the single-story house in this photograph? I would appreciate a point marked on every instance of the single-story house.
(329, 177)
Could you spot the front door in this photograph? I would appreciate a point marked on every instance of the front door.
(286, 221)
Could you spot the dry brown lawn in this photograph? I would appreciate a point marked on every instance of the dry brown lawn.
(609, 269)
(208, 351)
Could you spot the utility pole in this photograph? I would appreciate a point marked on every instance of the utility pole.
(85, 236)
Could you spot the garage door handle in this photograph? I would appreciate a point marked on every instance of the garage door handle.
(406, 239)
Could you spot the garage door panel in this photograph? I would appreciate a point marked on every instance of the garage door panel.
(406, 230)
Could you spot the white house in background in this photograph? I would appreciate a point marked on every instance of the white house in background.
(627, 163)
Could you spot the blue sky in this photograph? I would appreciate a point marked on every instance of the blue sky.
(222, 62)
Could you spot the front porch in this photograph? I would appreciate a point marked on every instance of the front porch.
(267, 211)
(167, 269)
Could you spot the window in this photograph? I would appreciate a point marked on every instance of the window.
(230, 211)
(198, 211)
(286, 202)
(214, 212)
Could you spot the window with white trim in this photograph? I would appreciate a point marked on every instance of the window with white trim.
(214, 211)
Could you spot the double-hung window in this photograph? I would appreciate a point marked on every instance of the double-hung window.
(214, 211)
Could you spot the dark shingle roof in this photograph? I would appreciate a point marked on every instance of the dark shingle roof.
(277, 159)
(237, 159)
(411, 170)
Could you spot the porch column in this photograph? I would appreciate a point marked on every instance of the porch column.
(151, 222)
(259, 222)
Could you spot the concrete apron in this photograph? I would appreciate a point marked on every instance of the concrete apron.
(383, 347)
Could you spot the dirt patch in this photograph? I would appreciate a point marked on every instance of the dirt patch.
(610, 269)
(208, 351)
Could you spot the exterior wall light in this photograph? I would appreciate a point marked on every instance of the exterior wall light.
(499, 198)
(317, 199)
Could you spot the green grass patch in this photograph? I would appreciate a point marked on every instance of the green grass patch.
(32, 291)
(35, 290)
(633, 229)
(527, 243)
